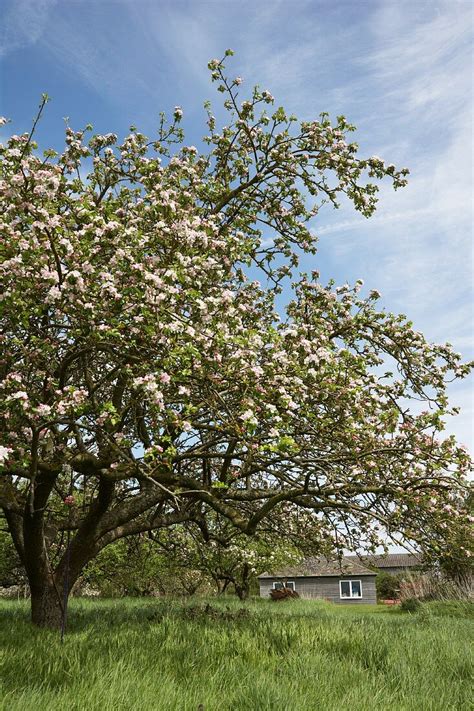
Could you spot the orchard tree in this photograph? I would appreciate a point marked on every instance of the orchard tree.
(447, 543)
(222, 553)
(136, 566)
(146, 380)
(12, 574)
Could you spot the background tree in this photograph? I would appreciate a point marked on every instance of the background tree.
(12, 573)
(136, 566)
(388, 585)
(147, 381)
(448, 541)
(223, 554)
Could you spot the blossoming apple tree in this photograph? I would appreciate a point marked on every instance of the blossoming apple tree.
(146, 380)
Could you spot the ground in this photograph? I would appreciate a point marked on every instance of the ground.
(147, 655)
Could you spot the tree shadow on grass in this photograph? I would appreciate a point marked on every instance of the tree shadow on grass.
(112, 613)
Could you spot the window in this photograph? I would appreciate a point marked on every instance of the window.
(287, 584)
(350, 588)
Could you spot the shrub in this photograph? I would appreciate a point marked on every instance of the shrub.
(283, 594)
(429, 586)
(388, 586)
(411, 604)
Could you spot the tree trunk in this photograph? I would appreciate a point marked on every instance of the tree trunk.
(46, 607)
(242, 591)
(221, 585)
(242, 588)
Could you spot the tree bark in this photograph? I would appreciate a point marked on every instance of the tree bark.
(46, 606)
(242, 587)
(242, 591)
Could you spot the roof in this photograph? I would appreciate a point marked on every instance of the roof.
(319, 568)
(389, 560)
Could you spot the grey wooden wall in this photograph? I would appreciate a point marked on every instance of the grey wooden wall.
(326, 588)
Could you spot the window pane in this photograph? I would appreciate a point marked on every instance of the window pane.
(345, 588)
(356, 588)
(290, 584)
(277, 586)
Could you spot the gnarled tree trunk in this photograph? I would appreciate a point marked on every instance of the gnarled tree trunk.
(242, 586)
(50, 589)
(46, 606)
(35, 539)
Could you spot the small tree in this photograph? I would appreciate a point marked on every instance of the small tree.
(130, 566)
(448, 541)
(146, 381)
(223, 554)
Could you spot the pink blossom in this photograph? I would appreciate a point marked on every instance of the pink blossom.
(20, 395)
(4, 452)
(53, 294)
(43, 409)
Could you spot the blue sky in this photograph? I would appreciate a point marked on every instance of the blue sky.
(401, 71)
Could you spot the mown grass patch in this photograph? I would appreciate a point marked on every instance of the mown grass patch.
(177, 655)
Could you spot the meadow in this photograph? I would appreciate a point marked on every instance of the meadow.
(223, 655)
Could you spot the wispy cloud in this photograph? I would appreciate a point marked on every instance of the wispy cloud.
(424, 233)
(423, 58)
(360, 223)
(418, 248)
(461, 426)
(124, 47)
(23, 23)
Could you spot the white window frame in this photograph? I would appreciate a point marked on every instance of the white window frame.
(351, 596)
(285, 583)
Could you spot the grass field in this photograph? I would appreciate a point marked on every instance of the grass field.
(146, 655)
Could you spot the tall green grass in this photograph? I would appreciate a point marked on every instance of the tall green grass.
(162, 655)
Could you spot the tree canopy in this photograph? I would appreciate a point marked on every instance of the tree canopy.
(147, 380)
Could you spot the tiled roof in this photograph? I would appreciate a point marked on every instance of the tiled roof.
(389, 560)
(321, 567)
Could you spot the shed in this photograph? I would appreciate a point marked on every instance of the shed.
(344, 581)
